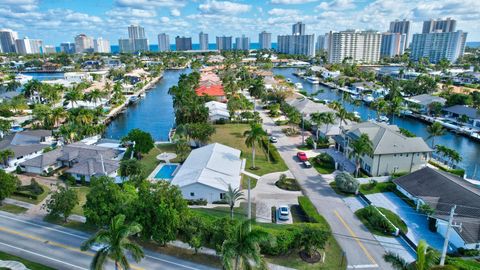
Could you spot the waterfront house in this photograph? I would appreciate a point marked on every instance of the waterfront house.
(457, 112)
(360, 87)
(82, 161)
(392, 151)
(441, 190)
(217, 110)
(25, 145)
(424, 101)
(214, 91)
(306, 106)
(208, 171)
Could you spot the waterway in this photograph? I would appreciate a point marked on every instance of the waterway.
(153, 114)
(468, 149)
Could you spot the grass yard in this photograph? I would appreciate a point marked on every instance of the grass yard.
(322, 168)
(377, 188)
(333, 185)
(150, 161)
(75, 225)
(12, 208)
(244, 183)
(232, 135)
(82, 198)
(29, 264)
(39, 199)
(224, 211)
(394, 218)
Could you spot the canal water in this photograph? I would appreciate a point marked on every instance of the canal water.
(153, 114)
(468, 149)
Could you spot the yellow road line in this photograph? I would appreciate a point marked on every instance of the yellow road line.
(369, 256)
(45, 241)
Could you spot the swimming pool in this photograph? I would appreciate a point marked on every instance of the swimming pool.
(166, 172)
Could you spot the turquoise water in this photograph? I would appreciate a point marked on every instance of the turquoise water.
(166, 172)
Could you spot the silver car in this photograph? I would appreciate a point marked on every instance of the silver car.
(283, 212)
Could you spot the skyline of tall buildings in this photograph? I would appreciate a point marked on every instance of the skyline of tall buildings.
(401, 27)
(28, 46)
(83, 44)
(7, 40)
(203, 41)
(101, 45)
(392, 44)
(356, 46)
(163, 42)
(265, 40)
(242, 43)
(298, 42)
(183, 43)
(443, 26)
(136, 42)
(224, 43)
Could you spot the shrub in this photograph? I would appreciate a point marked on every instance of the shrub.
(375, 220)
(310, 211)
(325, 159)
(18, 170)
(346, 182)
(33, 189)
(468, 252)
(287, 183)
(197, 202)
(271, 150)
(220, 202)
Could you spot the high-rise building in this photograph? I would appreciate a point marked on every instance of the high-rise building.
(265, 40)
(438, 45)
(101, 45)
(183, 43)
(402, 27)
(242, 43)
(203, 41)
(392, 44)
(28, 46)
(444, 26)
(136, 32)
(296, 44)
(138, 41)
(140, 45)
(125, 45)
(47, 49)
(83, 44)
(7, 40)
(298, 29)
(321, 42)
(163, 42)
(354, 45)
(224, 43)
(67, 47)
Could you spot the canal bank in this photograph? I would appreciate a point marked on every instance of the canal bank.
(468, 149)
(153, 113)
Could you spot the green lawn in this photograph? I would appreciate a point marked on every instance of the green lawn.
(377, 188)
(12, 208)
(322, 168)
(333, 185)
(224, 211)
(244, 183)
(394, 218)
(39, 199)
(232, 135)
(29, 264)
(75, 225)
(150, 161)
(82, 198)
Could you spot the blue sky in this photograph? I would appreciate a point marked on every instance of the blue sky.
(56, 21)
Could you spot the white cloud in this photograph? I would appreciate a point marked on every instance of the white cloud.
(283, 12)
(337, 5)
(20, 5)
(291, 2)
(175, 12)
(149, 4)
(223, 7)
(130, 12)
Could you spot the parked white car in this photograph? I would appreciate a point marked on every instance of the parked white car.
(283, 212)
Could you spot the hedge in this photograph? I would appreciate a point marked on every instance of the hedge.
(26, 194)
(272, 151)
(459, 172)
(311, 212)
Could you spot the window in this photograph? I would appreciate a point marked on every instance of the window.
(406, 155)
(192, 194)
(222, 196)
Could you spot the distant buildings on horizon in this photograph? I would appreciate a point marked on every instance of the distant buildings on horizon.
(439, 40)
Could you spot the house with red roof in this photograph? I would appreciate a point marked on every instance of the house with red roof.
(215, 91)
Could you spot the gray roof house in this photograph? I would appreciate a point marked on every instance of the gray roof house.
(307, 107)
(392, 151)
(26, 144)
(457, 111)
(80, 159)
(442, 190)
(424, 100)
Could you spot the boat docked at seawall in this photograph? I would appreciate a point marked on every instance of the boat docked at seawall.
(368, 99)
(299, 85)
(312, 80)
(382, 118)
(133, 99)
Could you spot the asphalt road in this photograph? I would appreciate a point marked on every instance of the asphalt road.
(362, 250)
(58, 247)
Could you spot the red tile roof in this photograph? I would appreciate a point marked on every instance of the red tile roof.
(213, 91)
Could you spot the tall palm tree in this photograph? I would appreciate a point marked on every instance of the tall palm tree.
(74, 95)
(115, 244)
(342, 115)
(242, 248)
(5, 156)
(58, 114)
(426, 258)
(254, 136)
(394, 107)
(96, 95)
(328, 119)
(318, 120)
(335, 105)
(361, 146)
(232, 196)
(436, 129)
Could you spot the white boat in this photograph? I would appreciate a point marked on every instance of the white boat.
(382, 118)
(299, 85)
(289, 80)
(356, 114)
(133, 99)
(143, 95)
(356, 97)
(313, 80)
(368, 99)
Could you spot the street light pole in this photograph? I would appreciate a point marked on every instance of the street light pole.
(303, 131)
(447, 235)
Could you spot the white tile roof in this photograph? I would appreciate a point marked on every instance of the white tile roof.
(215, 165)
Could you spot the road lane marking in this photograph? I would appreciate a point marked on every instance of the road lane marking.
(43, 256)
(46, 241)
(170, 262)
(369, 256)
(362, 266)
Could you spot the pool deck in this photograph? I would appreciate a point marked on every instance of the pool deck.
(152, 175)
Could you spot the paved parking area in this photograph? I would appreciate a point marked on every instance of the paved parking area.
(266, 194)
(416, 222)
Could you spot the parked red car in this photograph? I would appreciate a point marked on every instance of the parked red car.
(302, 156)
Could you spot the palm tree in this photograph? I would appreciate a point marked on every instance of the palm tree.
(342, 115)
(361, 146)
(256, 135)
(436, 129)
(335, 105)
(96, 95)
(5, 156)
(394, 107)
(74, 95)
(232, 196)
(426, 258)
(57, 115)
(115, 244)
(328, 119)
(243, 247)
(318, 120)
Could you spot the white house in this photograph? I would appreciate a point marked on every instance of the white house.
(217, 110)
(208, 171)
(441, 190)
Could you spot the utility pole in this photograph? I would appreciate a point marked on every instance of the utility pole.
(303, 129)
(447, 235)
(249, 214)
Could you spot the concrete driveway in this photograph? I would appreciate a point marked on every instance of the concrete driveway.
(416, 222)
(266, 194)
